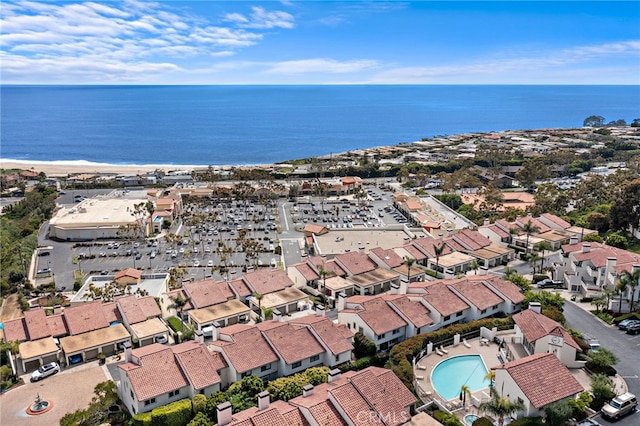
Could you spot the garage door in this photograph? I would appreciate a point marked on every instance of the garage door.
(32, 365)
(50, 358)
(109, 350)
(91, 354)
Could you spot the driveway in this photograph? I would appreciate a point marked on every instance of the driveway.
(69, 390)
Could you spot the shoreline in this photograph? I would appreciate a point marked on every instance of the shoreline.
(70, 167)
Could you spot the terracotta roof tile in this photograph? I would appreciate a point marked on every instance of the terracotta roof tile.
(440, 297)
(129, 272)
(15, 330)
(415, 312)
(57, 325)
(375, 393)
(388, 256)
(543, 379)
(36, 323)
(324, 413)
(379, 316)
(198, 364)
(335, 336)
(307, 272)
(506, 288)
(354, 406)
(111, 312)
(293, 343)
(138, 309)
(534, 326)
(556, 220)
(208, 292)
(355, 263)
(85, 317)
(427, 245)
(477, 293)
(248, 350)
(157, 373)
(267, 280)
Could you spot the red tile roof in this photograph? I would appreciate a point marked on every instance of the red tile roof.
(543, 379)
(477, 293)
(415, 312)
(337, 337)
(240, 288)
(208, 292)
(294, 343)
(85, 317)
(556, 220)
(267, 280)
(355, 263)
(15, 330)
(535, 326)
(427, 245)
(36, 323)
(388, 256)
(248, 349)
(198, 364)
(354, 406)
(138, 309)
(379, 316)
(440, 297)
(157, 373)
(326, 414)
(382, 401)
(307, 272)
(57, 325)
(506, 288)
(129, 272)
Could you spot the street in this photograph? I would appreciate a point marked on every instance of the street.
(625, 346)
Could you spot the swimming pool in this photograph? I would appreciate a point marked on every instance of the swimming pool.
(470, 418)
(450, 375)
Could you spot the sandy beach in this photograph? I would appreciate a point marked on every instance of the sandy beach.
(61, 168)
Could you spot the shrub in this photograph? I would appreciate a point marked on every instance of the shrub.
(527, 421)
(177, 413)
(363, 346)
(141, 419)
(631, 315)
(446, 419)
(199, 403)
(482, 421)
(175, 323)
(200, 419)
(378, 360)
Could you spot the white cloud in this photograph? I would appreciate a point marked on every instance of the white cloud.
(262, 19)
(320, 65)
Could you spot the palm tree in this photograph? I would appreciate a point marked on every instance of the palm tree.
(633, 280)
(438, 250)
(475, 266)
(500, 406)
(543, 246)
(258, 297)
(178, 304)
(323, 273)
(529, 228)
(621, 286)
(465, 393)
(490, 376)
(409, 261)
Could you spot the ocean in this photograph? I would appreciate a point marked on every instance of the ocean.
(243, 125)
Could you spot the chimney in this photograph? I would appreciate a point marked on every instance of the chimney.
(215, 332)
(486, 222)
(224, 413)
(573, 240)
(586, 247)
(404, 287)
(342, 301)
(263, 400)
(319, 311)
(395, 288)
(276, 316)
(199, 336)
(307, 390)
(334, 375)
(127, 351)
(484, 270)
(535, 307)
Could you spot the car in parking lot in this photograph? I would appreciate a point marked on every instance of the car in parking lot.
(43, 271)
(620, 406)
(622, 325)
(633, 328)
(210, 263)
(45, 371)
(161, 339)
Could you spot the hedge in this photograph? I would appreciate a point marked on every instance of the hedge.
(378, 360)
(631, 315)
(177, 413)
(482, 421)
(141, 419)
(402, 354)
(175, 323)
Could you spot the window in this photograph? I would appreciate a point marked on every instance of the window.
(150, 401)
(314, 358)
(447, 318)
(382, 336)
(337, 358)
(246, 374)
(174, 393)
(265, 367)
(131, 393)
(396, 331)
(459, 314)
(484, 311)
(296, 364)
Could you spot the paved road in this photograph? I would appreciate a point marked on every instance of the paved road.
(626, 348)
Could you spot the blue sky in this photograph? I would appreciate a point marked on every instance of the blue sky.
(319, 42)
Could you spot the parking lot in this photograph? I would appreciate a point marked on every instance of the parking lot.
(218, 238)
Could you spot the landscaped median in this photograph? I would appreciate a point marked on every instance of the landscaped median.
(402, 354)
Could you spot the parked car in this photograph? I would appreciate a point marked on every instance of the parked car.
(549, 283)
(45, 371)
(633, 328)
(622, 325)
(619, 406)
(161, 339)
(588, 422)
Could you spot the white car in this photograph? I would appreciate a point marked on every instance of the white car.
(45, 371)
(210, 263)
(196, 263)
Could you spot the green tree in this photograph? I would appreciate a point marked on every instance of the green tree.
(617, 239)
(363, 346)
(557, 413)
(178, 303)
(603, 357)
(631, 280)
(465, 391)
(593, 238)
(580, 404)
(438, 250)
(529, 228)
(593, 121)
(602, 390)
(532, 170)
(215, 399)
(500, 406)
(200, 419)
(409, 261)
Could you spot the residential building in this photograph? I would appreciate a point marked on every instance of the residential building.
(142, 318)
(537, 381)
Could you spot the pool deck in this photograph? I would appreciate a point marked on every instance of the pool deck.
(489, 354)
